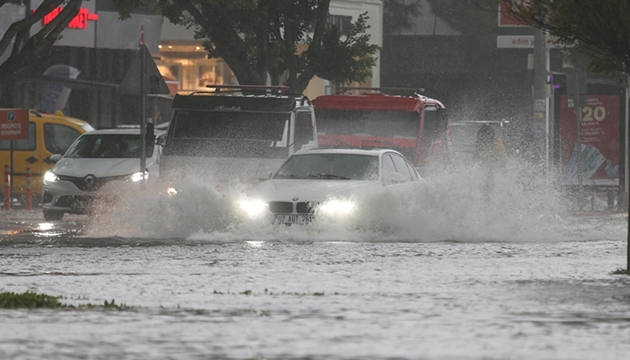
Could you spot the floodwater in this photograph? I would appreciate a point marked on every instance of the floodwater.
(519, 276)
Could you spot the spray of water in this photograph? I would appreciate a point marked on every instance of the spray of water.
(449, 205)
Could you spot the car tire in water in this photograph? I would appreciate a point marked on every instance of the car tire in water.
(52, 215)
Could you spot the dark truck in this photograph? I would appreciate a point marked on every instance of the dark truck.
(226, 136)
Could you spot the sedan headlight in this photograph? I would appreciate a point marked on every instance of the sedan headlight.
(253, 208)
(336, 207)
(50, 176)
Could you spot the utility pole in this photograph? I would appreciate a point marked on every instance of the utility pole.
(540, 125)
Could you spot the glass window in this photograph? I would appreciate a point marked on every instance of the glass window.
(115, 146)
(329, 167)
(401, 166)
(230, 125)
(388, 165)
(58, 138)
(413, 172)
(303, 129)
(23, 144)
(391, 124)
(433, 125)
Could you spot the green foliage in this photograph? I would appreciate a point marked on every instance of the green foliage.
(621, 271)
(31, 300)
(28, 300)
(350, 60)
(601, 29)
(399, 14)
(259, 38)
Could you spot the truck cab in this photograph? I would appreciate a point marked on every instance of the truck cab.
(414, 125)
(235, 134)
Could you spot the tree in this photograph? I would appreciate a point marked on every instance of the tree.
(398, 15)
(23, 48)
(259, 39)
(601, 29)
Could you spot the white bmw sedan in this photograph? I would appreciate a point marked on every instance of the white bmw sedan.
(98, 167)
(328, 184)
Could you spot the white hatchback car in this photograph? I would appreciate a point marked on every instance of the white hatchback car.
(327, 184)
(98, 166)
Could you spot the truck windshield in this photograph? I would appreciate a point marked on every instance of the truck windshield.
(391, 124)
(232, 125)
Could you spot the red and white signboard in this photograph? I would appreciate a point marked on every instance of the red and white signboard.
(599, 134)
(13, 124)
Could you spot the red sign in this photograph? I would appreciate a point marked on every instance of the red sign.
(78, 22)
(599, 134)
(13, 124)
(505, 18)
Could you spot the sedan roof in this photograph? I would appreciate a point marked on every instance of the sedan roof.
(373, 152)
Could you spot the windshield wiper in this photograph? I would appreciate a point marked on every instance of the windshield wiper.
(326, 176)
(286, 176)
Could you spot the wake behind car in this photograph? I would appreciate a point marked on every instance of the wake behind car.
(328, 184)
(98, 166)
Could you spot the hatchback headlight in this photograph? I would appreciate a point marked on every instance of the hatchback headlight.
(139, 176)
(50, 176)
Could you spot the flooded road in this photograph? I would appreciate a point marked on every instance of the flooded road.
(306, 296)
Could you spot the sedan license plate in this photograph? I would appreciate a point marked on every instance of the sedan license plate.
(293, 219)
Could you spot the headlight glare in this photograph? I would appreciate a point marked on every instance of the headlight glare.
(253, 208)
(336, 207)
(49, 176)
(139, 176)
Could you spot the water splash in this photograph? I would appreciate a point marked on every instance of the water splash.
(450, 205)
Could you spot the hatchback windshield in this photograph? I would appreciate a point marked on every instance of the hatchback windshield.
(115, 146)
(330, 167)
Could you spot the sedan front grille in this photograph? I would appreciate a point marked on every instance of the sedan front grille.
(285, 207)
(306, 207)
(281, 207)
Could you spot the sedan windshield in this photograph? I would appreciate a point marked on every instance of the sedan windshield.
(115, 146)
(329, 167)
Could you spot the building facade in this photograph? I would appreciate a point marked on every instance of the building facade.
(184, 63)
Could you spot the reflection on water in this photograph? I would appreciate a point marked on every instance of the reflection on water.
(518, 277)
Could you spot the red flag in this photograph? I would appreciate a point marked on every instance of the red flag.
(141, 40)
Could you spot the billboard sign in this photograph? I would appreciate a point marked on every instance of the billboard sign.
(599, 136)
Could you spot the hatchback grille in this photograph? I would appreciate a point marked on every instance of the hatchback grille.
(90, 183)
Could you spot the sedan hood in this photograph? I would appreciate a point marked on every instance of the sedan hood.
(310, 190)
(79, 167)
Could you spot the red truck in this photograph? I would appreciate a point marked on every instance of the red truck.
(414, 125)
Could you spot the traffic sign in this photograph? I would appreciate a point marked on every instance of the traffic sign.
(13, 124)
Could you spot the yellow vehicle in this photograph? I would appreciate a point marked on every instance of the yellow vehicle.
(48, 134)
